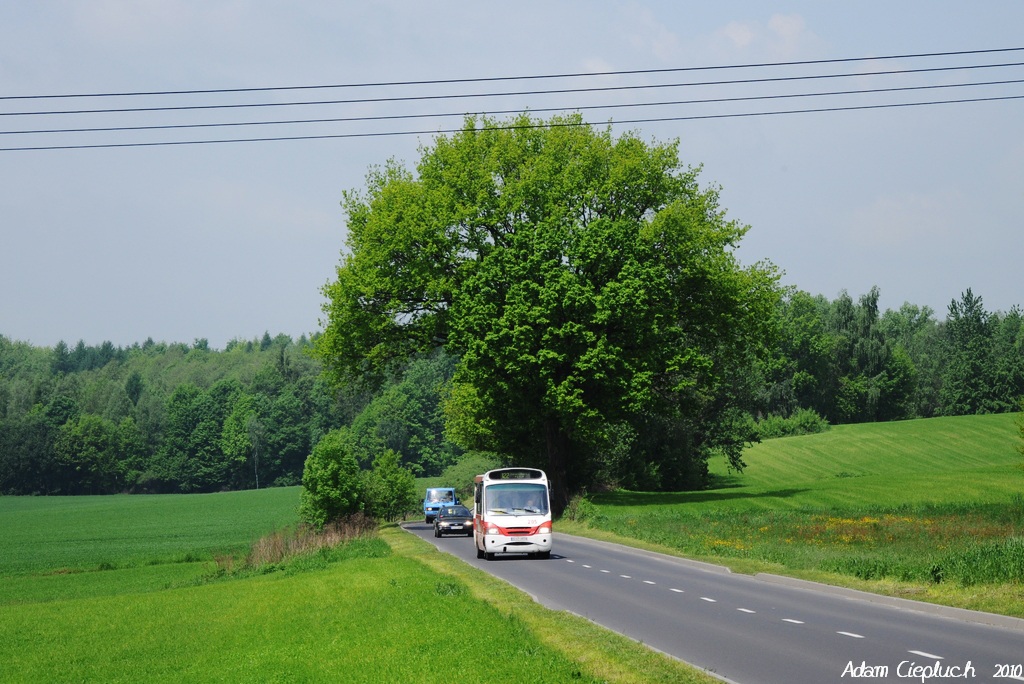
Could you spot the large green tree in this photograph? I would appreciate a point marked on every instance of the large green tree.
(585, 281)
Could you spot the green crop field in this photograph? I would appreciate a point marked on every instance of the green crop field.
(928, 508)
(75, 533)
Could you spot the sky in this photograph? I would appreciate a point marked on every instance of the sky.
(223, 241)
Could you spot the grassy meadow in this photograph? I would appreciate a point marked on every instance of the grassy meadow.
(931, 509)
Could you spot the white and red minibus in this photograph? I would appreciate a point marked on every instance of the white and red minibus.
(512, 513)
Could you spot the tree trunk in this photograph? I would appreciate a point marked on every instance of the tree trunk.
(558, 447)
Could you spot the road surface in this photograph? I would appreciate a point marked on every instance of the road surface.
(760, 629)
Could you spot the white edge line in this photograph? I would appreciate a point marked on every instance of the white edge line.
(851, 634)
(925, 655)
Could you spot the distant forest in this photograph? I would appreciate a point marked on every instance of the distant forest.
(160, 418)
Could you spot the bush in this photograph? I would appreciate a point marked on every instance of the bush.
(331, 483)
(390, 489)
(803, 422)
(580, 509)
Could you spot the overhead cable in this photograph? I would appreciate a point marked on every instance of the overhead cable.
(494, 79)
(757, 89)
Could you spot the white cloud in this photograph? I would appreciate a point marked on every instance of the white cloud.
(782, 37)
(652, 36)
(739, 35)
(788, 34)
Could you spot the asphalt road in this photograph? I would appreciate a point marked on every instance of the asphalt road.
(761, 629)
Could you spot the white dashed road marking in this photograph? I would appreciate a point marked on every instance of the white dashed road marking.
(748, 611)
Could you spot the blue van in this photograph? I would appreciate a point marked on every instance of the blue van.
(435, 498)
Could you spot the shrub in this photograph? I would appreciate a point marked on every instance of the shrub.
(331, 483)
(580, 509)
(803, 422)
(389, 489)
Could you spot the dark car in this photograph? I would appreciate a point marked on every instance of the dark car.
(453, 520)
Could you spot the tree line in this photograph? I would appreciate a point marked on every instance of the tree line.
(158, 417)
(851, 363)
(161, 417)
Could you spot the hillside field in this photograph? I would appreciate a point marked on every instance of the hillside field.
(932, 509)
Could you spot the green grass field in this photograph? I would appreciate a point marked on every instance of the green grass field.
(85, 532)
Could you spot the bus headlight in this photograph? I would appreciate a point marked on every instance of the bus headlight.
(544, 529)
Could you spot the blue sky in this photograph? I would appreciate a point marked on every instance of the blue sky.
(227, 241)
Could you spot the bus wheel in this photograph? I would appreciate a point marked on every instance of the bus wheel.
(479, 553)
(544, 555)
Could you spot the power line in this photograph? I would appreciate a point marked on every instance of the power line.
(495, 79)
(558, 91)
(398, 117)
(509, 127)
(577, 107)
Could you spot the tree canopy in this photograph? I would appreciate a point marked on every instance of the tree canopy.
(586, 283)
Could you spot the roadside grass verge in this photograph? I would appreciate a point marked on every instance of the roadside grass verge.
(359, 620)
(600, 654)
(929, 509)
(359, 614)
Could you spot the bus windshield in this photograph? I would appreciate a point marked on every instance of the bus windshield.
(516, 499)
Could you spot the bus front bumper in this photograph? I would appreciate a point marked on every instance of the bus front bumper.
(497, 543)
